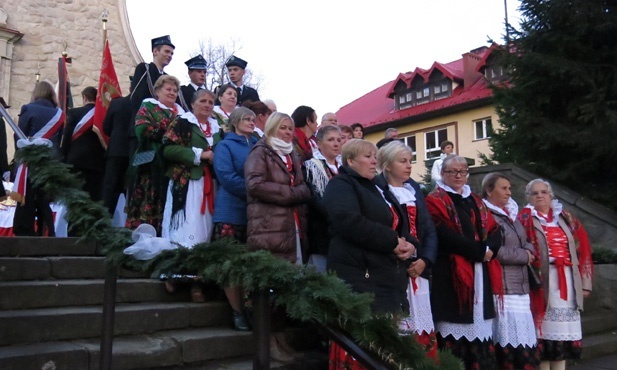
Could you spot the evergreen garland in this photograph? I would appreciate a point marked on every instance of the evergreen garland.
(305, 294)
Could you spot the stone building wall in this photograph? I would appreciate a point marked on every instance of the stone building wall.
(50, 27)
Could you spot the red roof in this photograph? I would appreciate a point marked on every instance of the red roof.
(378, 107)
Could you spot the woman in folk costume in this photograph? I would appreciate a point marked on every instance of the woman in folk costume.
(188, 145)
(466, 273)
(147, 199)
(563, 258)
(394, 160)
(318, 171)
(370, 246)
(227, 96)
(514, 333)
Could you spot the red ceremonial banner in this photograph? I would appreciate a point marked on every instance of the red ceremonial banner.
(109, 88)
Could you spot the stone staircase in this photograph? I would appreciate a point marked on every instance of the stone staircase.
(51, 296)
(600, 316)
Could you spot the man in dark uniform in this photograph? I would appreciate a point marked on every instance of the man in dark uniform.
(236, 68)
(116, 126)
(146, 74)
(81, 147)
(197, 73)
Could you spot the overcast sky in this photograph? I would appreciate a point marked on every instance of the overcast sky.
(324, 54)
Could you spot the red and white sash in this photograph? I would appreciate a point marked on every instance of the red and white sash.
(21, 176)
(84, 124)
(52, 126)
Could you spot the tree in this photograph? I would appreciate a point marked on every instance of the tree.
(216, 55)
(559, 110)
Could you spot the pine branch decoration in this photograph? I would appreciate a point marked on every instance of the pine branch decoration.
(305, 294)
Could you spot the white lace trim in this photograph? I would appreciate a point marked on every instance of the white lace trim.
(511, 207)
(466, 189)
(420, 318)
(405, 194)
(480, 329)
(556, 206)
(179, 109)
(214, 126)
(514, 323)
(562, 320)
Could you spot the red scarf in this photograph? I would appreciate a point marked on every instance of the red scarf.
(292, 177)
(443, 211)
(583, 249)
(303, 142)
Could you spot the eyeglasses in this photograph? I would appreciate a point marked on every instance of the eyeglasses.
(456, 173)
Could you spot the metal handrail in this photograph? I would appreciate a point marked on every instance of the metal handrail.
(261, 330)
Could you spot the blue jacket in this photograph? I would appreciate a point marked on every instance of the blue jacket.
(34, 116)
(229, 157)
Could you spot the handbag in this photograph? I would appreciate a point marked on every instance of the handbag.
(143, 157)
(535, 281)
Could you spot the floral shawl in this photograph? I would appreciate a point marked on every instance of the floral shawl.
(180, 133)
(443, 211)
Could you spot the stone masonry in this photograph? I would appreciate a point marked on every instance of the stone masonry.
(50, 27)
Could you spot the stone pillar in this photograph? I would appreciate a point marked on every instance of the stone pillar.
(8, 38)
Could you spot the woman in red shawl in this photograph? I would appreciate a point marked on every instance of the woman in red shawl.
(465, 274)
(563, 258)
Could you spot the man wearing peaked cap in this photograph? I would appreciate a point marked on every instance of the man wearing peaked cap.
(197, 73)
(146, 74)
(160, 41)
(236, 68)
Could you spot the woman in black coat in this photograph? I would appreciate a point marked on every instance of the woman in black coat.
(394, 160)
(365, 250)
(370, 244)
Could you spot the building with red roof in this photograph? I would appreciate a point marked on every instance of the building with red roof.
(448, 101)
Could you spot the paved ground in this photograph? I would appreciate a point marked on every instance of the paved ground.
(602, 363)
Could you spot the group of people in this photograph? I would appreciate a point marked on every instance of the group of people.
(507, 287)
(498, 287)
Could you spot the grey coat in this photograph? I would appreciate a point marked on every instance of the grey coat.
(513, 254)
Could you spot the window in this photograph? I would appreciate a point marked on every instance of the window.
(437, 89)
(410, 141)
(409, 97)
(401, 99)
(433, 140)
(418, 94)
(444, 87)
(426, 92)
(483, 128)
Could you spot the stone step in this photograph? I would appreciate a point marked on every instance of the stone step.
(38, 246)
(311, 360)
(80, 292)
(599, 321)
(600, 344)
(57, 267)
(66, 323)
(158, 350)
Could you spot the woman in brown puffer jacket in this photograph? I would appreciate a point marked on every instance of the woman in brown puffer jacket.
(276, 193)
(277, 196)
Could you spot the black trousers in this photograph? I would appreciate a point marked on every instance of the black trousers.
(35, 206)
(93, 182)
(114, 181)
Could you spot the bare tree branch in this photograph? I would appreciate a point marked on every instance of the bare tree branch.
(216, 55)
